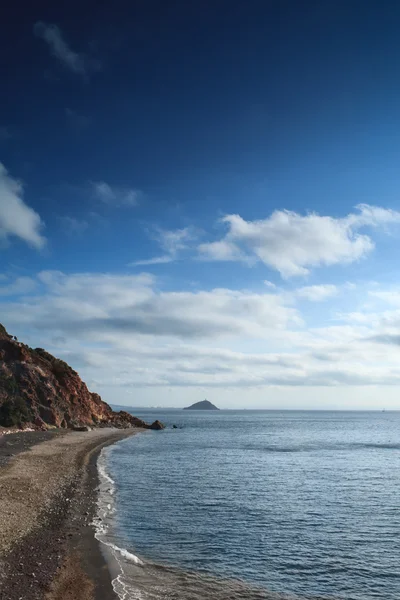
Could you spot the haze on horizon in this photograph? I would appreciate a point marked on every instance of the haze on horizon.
(201, 200)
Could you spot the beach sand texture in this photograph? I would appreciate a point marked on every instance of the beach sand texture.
(47, 503)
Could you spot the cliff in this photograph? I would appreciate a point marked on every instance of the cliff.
(203, 405)
(39, 390)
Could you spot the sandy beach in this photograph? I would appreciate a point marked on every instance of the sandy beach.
(47, 502)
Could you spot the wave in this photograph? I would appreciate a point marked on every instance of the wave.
(105, 510)
(104, 476)
(378, 446)
(124, 553)
(322, 447)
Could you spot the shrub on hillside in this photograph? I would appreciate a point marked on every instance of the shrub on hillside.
(14, 412)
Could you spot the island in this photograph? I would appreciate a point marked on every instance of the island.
(203, 405)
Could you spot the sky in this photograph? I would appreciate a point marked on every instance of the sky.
(201, 199)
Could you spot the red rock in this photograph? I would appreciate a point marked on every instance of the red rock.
(50, 391)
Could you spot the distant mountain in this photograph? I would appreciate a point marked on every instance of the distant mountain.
(203, 405)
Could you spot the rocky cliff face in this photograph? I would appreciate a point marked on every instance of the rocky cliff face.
(38, 389)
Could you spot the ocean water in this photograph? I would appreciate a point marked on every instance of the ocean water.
(255, 504)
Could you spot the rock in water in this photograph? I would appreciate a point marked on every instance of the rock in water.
(157, 425)
(203, 405)
(39, 390)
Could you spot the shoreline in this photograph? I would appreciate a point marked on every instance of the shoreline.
(48, 493)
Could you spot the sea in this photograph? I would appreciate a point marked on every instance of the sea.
(278, 505)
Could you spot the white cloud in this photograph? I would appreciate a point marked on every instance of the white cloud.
(17, 218)
(147, 364)
(389, 296)
(77, 63)
(372, 216)
(130, 305)
(122, 332)
(317, 293)
(270, 284)
(153, 337)
(115, 196)
(292, 243)
(156, 260)
(172, 242)
(222, 250)
(20, 285)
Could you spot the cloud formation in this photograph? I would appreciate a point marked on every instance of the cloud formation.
(16, 287)
(16, 217)
(115, 196)
(172, 242)
(292, 243)
(127, 305)
(122, 331)
(51, 34)
(224, 250)
(156, 260)
(317, 293)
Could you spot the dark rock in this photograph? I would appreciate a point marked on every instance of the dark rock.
(123, 420)
(174, 427)
(40, 424)
(157, 425)
(203, 405)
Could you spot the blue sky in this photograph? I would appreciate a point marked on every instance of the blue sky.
(200, 199)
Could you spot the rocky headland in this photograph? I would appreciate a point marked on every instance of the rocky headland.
(40, 391)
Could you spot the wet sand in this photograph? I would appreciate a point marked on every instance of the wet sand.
(48, 487)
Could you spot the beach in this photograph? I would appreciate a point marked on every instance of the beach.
(48, 497)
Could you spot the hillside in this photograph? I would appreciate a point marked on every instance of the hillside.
(203, 405)
(39, 390)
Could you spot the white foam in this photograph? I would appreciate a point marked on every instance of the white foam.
(127, 555)
(124, 591)
(106, 508)
(103, 473)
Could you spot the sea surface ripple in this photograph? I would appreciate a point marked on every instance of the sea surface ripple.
(261, 504)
